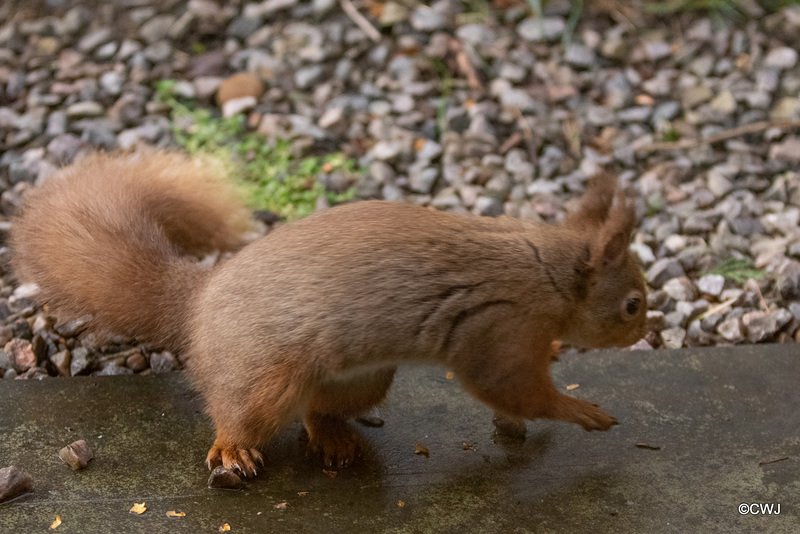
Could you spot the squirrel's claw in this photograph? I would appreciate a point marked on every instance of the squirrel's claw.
(240, 460)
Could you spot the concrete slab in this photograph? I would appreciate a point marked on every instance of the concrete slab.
(716, 414)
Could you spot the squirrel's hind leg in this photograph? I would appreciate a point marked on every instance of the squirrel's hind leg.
(245, 419)
(330, 435)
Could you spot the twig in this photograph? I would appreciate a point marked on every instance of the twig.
(510, 143)
(523, 123)
(465, 66)
(761, 297)
(360, 20)
(719, 308)
(721, 136)
(773, 461)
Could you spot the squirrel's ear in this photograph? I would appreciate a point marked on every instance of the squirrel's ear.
(615, 234)
(596, 202)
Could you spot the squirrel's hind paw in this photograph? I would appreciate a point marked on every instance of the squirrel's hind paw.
(242, 461)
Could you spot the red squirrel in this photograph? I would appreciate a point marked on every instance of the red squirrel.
(311, 320)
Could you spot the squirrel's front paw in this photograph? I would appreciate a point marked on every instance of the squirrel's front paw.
(588, 415)
(239, 460)
(338, 443)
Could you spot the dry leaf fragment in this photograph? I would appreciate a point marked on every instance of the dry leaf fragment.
(419, 144)
(282, 506)
(450, 375)
(327, 167)
(573, 386)
(423, 450)
(225, 528)
(56, 523)
(173, 513)
(302, 493)
(400, 504)
(468, 447)
(647, 447)
(331, 474)
(138, 508)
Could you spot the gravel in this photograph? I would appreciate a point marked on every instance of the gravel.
(482, 113)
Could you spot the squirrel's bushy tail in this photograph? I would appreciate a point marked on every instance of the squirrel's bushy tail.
(108, 237)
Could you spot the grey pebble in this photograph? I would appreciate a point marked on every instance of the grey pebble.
(731, 330)
(156, 28)
(82, 362)
(663, 270)
(541, 29)
(711, 284)
(163, 362)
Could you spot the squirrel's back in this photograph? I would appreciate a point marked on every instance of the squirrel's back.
(108, 235)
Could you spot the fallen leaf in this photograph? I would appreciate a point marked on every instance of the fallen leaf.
(225, 528)
(173, 513)
(400, 504)
(450, 375)
(138, 508)
(422, 450)
(742, 61)
(302, 493)
(376, 9)
(281, 506)
(647, 447)
(573, 386)
(56, 523)
(331, 474)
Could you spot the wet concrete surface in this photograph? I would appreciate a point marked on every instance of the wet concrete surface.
(715, 415)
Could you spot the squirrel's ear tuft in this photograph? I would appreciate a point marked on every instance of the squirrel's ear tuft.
(596, 202)
(615, 234)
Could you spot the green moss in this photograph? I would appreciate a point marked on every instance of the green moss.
(738, 270)
(270, 176)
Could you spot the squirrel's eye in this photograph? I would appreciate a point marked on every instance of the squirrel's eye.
(632, 306)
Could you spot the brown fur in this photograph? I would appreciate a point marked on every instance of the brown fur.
(107, 236)
(310, 321)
